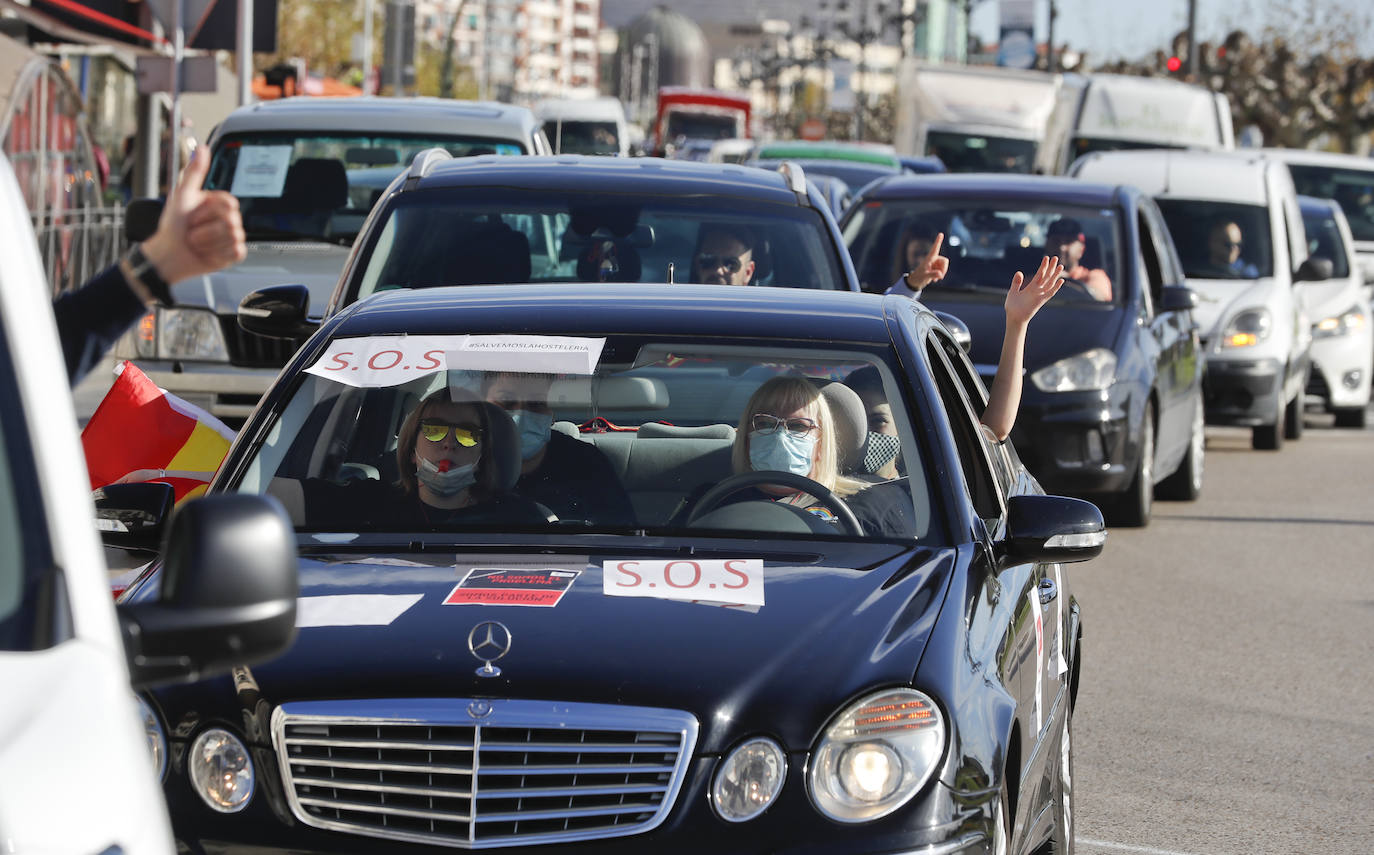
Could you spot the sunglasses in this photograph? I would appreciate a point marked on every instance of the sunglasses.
(1232, 244)
(765, 424)
(731, 263)
(465, 435)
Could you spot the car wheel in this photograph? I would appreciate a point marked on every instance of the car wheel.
(1185, 484)
(1064, 818)
(1133, 507)
(1269, 437)
(1292, 416)
(1353, 417)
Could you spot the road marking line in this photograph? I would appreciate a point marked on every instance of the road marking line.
(1127, 847)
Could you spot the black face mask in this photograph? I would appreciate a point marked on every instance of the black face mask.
(879, 450)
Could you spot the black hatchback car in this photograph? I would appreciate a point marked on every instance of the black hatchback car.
(1113, 407)
(717, 668)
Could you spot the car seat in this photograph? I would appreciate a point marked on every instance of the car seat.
(850, 424)
(489, 253)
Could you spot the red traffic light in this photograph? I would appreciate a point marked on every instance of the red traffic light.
(1174, 63)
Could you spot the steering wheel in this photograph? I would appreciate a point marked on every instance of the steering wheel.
(716, 496)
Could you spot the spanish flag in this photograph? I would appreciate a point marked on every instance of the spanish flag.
(140, 426)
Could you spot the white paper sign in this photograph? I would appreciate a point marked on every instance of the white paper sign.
(261, 171)
(529, 354)
(384, 360)
(737, 581)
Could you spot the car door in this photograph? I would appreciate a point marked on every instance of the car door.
(1022, 607)
(1173, 336)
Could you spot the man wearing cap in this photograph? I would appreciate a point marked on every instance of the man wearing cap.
(1065, 239)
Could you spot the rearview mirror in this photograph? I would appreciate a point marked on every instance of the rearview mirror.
(278, 311)
(962, 336)
(228, 597)
(1314, 269)
(131, 516)
(140, 219)
(1053, 528)
(1177, 298)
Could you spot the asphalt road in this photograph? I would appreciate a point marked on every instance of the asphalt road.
(1228, 660)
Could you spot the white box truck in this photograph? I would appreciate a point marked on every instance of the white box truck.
(1108, 112)
(975, 118)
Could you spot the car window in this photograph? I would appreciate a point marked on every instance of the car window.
(969, 436)
(1199, 230)
(322, 185)
(582, 136)
(986, 243)
(1324, 241)
(1353, 190)
(25, 556)
(484, 235)
(662, 417)
(964, 152)
(1151, 271)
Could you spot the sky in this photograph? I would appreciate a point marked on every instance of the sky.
(1130, 29)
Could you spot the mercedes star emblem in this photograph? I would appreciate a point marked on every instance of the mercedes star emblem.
(489, 641)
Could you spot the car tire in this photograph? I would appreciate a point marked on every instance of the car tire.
(1269, 437)
(1185, 484)
(1293, 416)
(1352, 417)
(1132, 508)
(1064, 800)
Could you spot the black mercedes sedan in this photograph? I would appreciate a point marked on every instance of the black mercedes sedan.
(641, 568)
(1112, 409)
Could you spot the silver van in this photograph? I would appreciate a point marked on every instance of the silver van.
(1235, 220)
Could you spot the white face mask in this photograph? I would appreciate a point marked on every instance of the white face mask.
(780, 451)
(445, 483)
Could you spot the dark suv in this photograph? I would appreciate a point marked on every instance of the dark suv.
(492, 220)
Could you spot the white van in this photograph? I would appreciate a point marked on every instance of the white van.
(1235, 220)
(974, 118)
(1109, 112)
(79, 752)
(585, 125)
(1347, 178)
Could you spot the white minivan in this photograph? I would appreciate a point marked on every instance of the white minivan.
(1349, 180)
(1235, 220)
(80, 752)
(585, 125)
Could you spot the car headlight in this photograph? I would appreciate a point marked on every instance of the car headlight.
(221, 770)
(1248, 328)
(876, 754)
(1093, 369)
(749, 779)
(156, 736)
(1347, 322)
(179, 333)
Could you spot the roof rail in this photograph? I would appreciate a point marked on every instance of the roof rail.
(796, 180)
(423, 163)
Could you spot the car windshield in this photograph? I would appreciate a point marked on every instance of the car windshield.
(986, 244)
(627, 435)
(487, 235)
(580, 136)
(1220, 240)
(321, 186)
(978, 153)
(1324, 241)
(1353, 190)
(709, 126)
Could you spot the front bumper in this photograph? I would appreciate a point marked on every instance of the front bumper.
(1079, 443)
(1341, 370)
(1247, 393)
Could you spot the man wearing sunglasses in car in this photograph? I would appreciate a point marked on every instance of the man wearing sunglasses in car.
(724, 256)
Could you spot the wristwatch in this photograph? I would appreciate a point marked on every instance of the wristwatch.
(143, 270)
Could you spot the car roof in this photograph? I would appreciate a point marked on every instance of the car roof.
(623, 175)
(1320, 158)
(1185, 174)
(750, 314)
(1029, 188)
(418, 115)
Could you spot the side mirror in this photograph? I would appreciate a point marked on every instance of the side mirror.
(962, 336)
(1177, 298)
(140, 219)
(1053, 528)
(1314, 269)
(131, 516)
(228, 595)
(278, 312)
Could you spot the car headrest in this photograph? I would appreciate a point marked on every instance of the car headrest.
(851, 424)
(315, 184)
(651, 430)
(504, 441)
(609, 260)
(490, 253)
(609, 393)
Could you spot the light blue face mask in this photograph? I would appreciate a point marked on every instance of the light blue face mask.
(535, 430)
(445, 483)
(780, 451)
